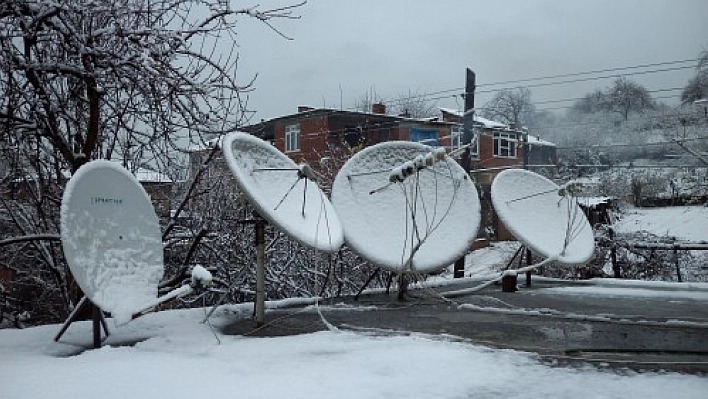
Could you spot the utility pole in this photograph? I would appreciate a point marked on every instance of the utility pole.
(467, 137)
(468, 115)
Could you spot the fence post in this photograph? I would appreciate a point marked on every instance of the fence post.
(613, 253)
(676, 259)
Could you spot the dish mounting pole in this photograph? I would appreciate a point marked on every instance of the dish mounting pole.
(97, 318)
(259, 305)
(468, 136)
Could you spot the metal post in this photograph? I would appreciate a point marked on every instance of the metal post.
(528, 263)
(467, 137)
(459, 269)
(613, 253)
(96, 326)
(526, 150)
(260, 271)
(678, 268)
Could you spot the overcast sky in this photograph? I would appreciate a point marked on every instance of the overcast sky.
(343, 48)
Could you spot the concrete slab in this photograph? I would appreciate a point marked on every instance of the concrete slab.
(560, 320)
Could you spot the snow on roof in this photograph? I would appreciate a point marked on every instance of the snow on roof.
(145, 175)
(535, 140)
(488, 123)
(593, 201)
(203, 145)
(150, 176)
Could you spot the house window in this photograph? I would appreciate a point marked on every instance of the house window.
(457, 140)
(424, 136)
(456, 137)
(474, 149)
(353, 136)
(505, 145)
(292, 138)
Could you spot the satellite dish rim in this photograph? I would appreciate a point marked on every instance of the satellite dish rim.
(67, 211)
(359, 245)
(335, 239)
(516, 228)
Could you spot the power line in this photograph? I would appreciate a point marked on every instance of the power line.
(380, 126)
(595, 78)
(619, 145)
(437, 95)
(568, 75)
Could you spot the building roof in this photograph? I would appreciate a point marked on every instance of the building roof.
(488, 123)
(535, 140)
(315, 112)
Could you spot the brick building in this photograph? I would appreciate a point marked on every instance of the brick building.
(311, 132)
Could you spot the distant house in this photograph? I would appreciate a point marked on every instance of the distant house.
(159, 187)
(311, 132)
(498, 147)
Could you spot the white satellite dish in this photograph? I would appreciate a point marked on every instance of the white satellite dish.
(406, 207)
(282, 192)
(111, 238)
(543, 216)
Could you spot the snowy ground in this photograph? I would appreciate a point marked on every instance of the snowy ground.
(687, 223)
(178, 357)
(172, 355)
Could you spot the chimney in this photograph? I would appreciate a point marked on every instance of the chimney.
(378, 108)
(304, 108)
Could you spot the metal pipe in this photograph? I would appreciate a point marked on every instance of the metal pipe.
(260, 272)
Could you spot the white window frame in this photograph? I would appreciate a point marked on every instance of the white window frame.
(474, 150)
(292, 138)
(456, 134)
(505, 144)
(456, 137)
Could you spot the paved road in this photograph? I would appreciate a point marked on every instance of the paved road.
(561, 321)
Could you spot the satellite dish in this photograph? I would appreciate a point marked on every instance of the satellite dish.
(283, 192)
(543, 216)
(111, 238)
(406, 207)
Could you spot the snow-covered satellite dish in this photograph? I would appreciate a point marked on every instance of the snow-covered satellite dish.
(283, 192)
(111, 238)
(543, 216)
(406, 207)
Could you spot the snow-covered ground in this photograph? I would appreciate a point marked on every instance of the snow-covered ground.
(178, 357)
(686, 223)
(173, 355)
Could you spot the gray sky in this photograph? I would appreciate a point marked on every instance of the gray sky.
(344, 48)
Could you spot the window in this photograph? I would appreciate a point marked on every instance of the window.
(353, 136)
(292, 138)
(457, 140)
(456, 137)
(505, 145)
(474, 149)
(424, 136)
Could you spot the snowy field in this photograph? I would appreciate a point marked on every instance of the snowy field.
(178, 357)
(686, 223)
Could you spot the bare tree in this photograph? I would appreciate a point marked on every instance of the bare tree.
(509, 106)
(697, 86)
(413, 105)
(624, 97)
(127, 80)
(367, 100)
